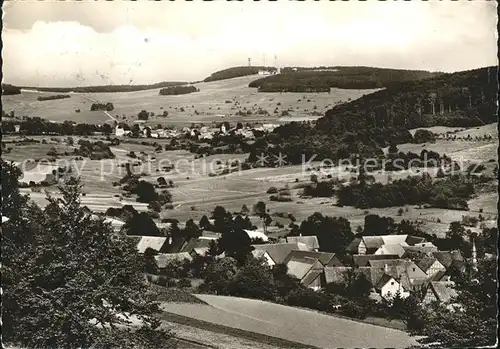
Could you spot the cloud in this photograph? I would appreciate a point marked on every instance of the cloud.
(141, 44)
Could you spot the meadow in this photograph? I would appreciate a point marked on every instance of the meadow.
(302, 326)
(196, 192)
(216, 101)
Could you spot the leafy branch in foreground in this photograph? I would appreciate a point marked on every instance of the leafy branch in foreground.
(68, 280)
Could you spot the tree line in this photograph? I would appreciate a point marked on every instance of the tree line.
(322, 79)
(178, 90)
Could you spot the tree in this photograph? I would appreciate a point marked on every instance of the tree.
(204, 222)
(161, 181)
(136, 131)
(476, 324)
(219, 274)
(253, 280)
(236, 244)
(191, 230)
(141, 224)
(334, 233)
(393, 149)
(145, 192)
(259, 208)
(245, 210)
(143, 115)
(107, 129)
(150, 261)
(73, 273)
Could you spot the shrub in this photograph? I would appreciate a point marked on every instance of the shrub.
(272, 190)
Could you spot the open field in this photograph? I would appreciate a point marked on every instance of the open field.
(210, 103)
(460, 150)
(302, 326)
(212, 339)
(195, 193)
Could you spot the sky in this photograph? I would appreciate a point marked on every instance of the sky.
(120, 42)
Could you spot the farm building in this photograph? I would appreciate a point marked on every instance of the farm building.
(276, 253)
(157, 243)
(389, 287)
(392, 249)
(310, 241)
(370, 244)
(408, 274)
(308, 270)
(363, 260)
(440, 291)
(325, 258)
(256, 234)
(431, 266)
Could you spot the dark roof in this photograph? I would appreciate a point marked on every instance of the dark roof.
(426, 262)
(195, 243)
(309, 241)
(412, 240)
(373, 242)
(163, 259)
(447, 258)
(278, 252)
(362, 260)
(323, 257)
(438, 276)
(443, 290)
(310, 277)
(353, 246)
(382, 281)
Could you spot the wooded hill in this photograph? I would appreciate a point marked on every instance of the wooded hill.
(377, 120)
(235, 72)
(10, 90)
(321, 79)
(107, 88)
(462, 99)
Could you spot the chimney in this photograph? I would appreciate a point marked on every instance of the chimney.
(386, 268)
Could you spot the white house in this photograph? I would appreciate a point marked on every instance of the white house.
(256, 234)
(388, 287)
(120, 132)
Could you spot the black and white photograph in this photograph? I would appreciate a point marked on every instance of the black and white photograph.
(249, 174)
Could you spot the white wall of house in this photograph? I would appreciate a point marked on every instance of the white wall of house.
(269, 260)
(361, 247)
(391, 288)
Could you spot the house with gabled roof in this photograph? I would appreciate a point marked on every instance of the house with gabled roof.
(310, 241)
(157, 243)
(163, 259)
(440, 291)
(391, 249)
(431, 266)
(406, 272)
(308, 270)
(325, 258)
(276, 253)
(388, 287)
(450, 258)
(370, 244)
(363, 260)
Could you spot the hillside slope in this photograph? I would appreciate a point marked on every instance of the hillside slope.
(323, 78)
(302, 326)
(462, 99)
(377, 120)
